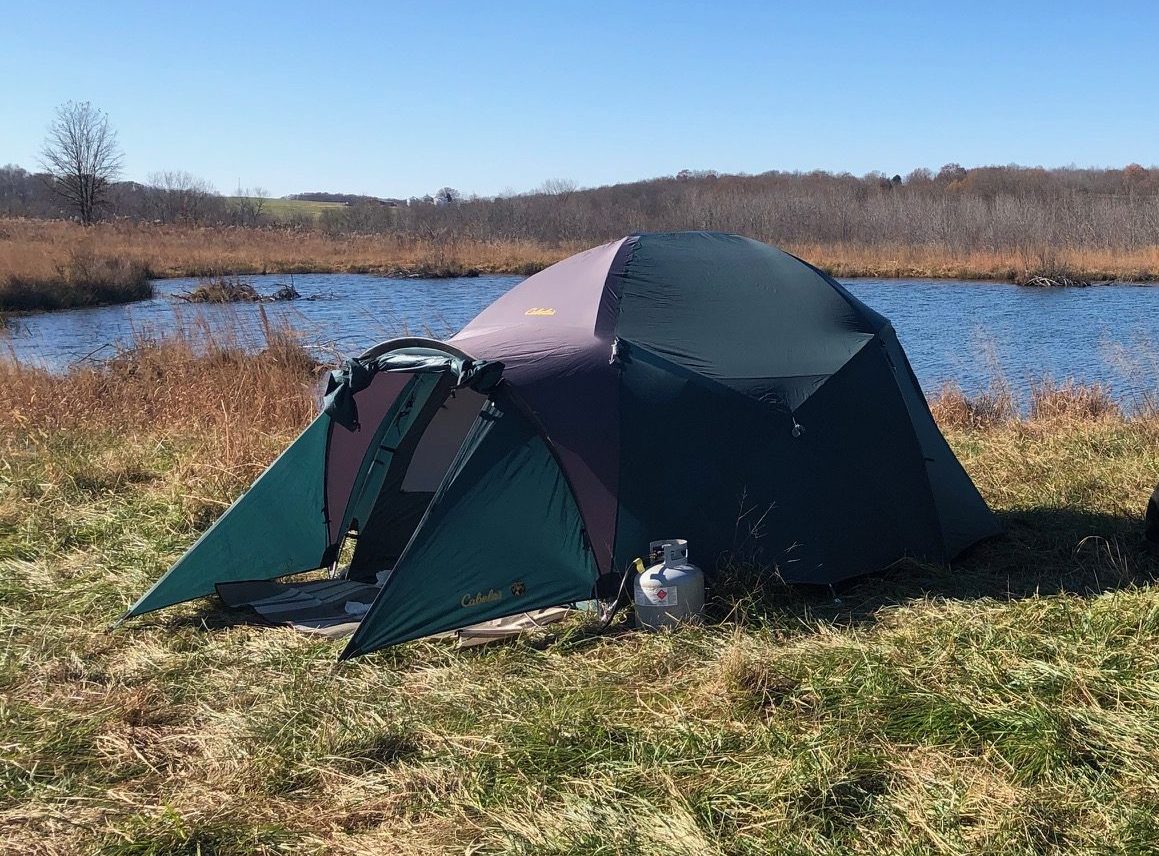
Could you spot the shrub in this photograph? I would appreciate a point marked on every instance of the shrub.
(952, 408)
(1070, 400)
(84, 279)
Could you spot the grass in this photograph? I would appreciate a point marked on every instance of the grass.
(1080, 264)
(34, 252)
(1009, 704)
(284, 209)
(81, 278)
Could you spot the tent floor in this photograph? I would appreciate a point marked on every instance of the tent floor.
(313, 606)
(333, 608)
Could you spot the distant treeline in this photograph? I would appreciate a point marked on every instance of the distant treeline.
(998, 208)
(169, 197)
(988, 209)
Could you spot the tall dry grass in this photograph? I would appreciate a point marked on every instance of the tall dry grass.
(79, 278)
(36, 251)
(936, 261)
(34, 248)
(194, 380)
(1048, 401)
(229, 400)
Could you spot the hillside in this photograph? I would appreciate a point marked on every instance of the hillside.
(286, 209)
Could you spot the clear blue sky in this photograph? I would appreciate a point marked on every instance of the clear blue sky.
(402, 98)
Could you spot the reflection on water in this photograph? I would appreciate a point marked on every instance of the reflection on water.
(965, 332)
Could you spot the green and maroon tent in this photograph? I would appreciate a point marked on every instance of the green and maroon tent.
(694, 385)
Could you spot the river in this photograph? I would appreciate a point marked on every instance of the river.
(969, 333)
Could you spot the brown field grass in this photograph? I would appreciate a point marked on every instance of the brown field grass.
(231, 403)
(33, 254)
(935, 262)
(36, 247)
(1048, 402)
(78, 278)
(1007, 704)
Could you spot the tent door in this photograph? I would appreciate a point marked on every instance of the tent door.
(502, 535)
(401, 482)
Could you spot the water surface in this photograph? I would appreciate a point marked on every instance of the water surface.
(967, 333)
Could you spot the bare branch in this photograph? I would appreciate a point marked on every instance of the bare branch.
(176, 196)
(82, 157)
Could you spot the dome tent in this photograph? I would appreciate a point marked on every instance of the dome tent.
(695, 385)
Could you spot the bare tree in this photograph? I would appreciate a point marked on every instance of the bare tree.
(81, 155)
(177, 196)
(558, 187)
(249, 206)
(258, 198)
(447, 196)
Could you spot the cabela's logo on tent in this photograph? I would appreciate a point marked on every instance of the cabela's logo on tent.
(540, 310)
(480, 598)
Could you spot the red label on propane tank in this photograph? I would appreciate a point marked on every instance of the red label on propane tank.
(656, 596)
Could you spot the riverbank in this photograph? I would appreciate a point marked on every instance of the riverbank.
(33, 253)
(82, 279)
(1078, 264)
(1006, 705)
(36, 256)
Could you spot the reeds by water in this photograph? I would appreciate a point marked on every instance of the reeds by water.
(1048, 401)
(932, 261)
(32, 253)
(234, 394)
(79, 278)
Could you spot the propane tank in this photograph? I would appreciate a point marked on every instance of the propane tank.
(671, 591)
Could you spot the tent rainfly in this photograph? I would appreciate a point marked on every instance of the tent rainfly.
(695, 385)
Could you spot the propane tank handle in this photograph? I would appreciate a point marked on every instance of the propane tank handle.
(673, 551)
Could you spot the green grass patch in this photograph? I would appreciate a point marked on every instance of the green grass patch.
(285, 209)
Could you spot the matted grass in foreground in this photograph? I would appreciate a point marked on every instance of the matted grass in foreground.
(1009, 704)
